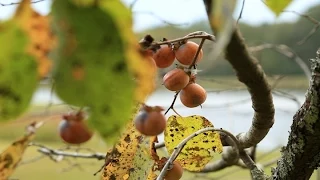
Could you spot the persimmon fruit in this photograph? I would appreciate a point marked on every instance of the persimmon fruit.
(150, 121)
(73, 130)
(186, 53)
(164, 56)
(176, 79)
(193, 95)
(175, 173)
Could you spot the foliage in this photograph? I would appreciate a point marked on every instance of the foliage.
(277, 6)
(198, 151)
(98, 66)
(11, 156)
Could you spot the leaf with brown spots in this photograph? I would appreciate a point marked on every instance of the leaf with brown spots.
(37, 27)
(200, 149)
(10, 157)
(130, 158)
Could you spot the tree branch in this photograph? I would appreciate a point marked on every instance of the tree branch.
(252, 75)
(54, 152)
(301, 155)
(286, 51)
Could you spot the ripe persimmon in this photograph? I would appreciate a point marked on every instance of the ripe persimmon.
(176, 79)
(175, 173)
(73, 130)
(186, 53)
(164, 56)
(150, 121)
(193, 95)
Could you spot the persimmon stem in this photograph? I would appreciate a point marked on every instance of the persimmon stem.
(193, 64)
(173, 102)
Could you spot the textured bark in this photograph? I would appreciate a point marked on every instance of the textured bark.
(251, 74)
(302, 154)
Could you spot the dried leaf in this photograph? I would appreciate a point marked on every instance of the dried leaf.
(200, 149)
(277, 6)
(10, 158)
(130, 158)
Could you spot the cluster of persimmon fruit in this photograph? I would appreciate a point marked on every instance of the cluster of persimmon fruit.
(150, 121)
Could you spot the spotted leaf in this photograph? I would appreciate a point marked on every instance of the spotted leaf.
(200, 149)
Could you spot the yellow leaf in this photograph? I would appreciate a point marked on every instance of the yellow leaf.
(41, 38)
(10, 158)
(277, 6)
(200, 149)
(130, 158)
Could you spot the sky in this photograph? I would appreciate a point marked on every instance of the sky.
(185, 11)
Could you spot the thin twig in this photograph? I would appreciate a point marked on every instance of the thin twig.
(313, 30)
(240, 15)
(132, 4)
(286, 51)
(16, 3)
(173, 102)
(193, 35)
(53, 152)
(193, 64)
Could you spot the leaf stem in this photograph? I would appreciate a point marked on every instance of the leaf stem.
(193, 64)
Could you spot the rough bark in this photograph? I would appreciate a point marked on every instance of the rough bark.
(251, 74)
(302, 154)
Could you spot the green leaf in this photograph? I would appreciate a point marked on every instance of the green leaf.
(92, 63)
(18, 71)
(200, 149)
(277, 6)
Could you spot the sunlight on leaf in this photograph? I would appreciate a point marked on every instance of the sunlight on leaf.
(277, 6)
(18, 69)
(10, 157)
(130, 158)
(200, 149)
